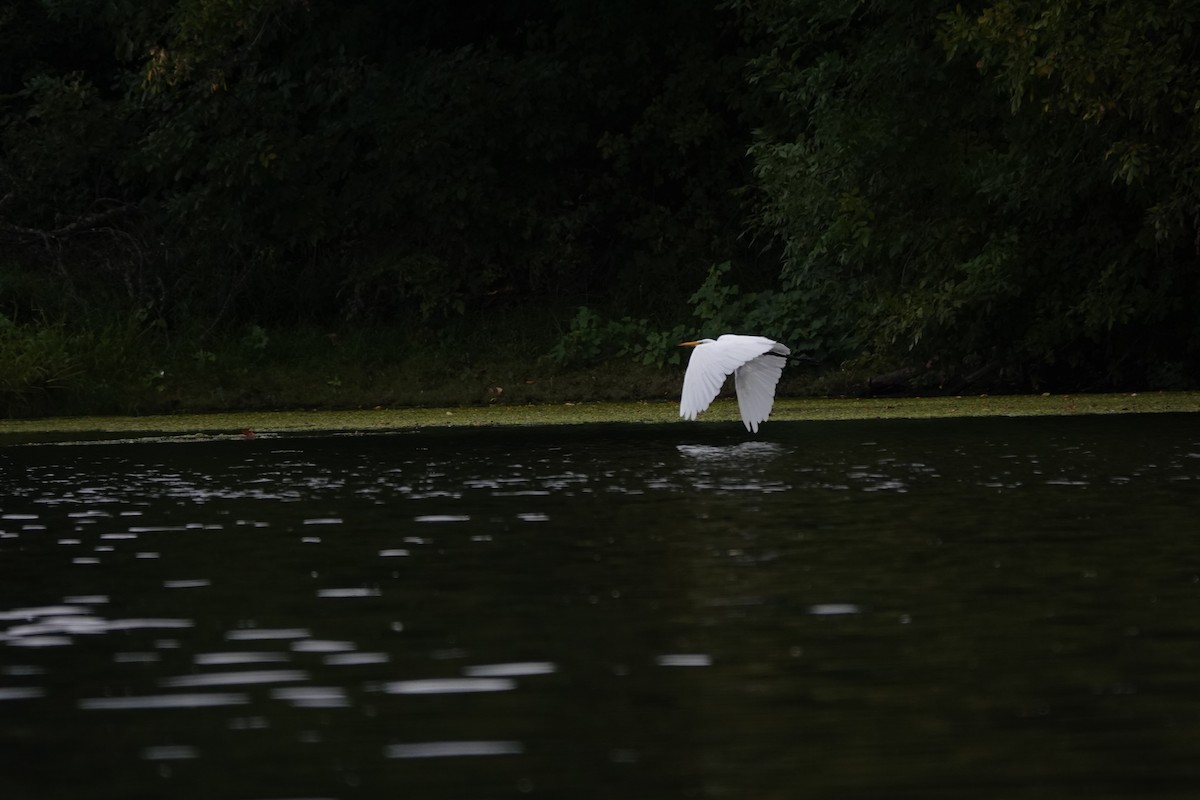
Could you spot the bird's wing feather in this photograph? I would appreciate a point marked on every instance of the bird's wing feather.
(755, 383)
(712, 362)
(706, 371)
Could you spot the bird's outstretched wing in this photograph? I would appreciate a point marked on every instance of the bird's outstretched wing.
(755, 383)
(711, 363)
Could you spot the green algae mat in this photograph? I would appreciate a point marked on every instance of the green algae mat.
(258, 423)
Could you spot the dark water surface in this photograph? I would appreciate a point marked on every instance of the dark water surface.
(918, 609)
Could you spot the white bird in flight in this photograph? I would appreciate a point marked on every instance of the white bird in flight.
(756, 363)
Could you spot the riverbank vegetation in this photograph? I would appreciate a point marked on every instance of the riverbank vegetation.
(298, 203)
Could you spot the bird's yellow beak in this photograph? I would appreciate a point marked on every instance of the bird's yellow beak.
(688, 344)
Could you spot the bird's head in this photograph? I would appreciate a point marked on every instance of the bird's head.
(697, 342)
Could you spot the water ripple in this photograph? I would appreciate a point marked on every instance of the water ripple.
(174, 752)
(255, 634)
(235, 678)
(163, 701)
(510, 670)
(449, 686)
(684, 660)
(232, 658)
(453, 749)
(312, 696)
(833, 609)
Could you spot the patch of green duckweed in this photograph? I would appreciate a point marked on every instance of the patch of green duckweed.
(236, 425)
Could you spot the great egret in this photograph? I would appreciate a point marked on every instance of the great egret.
(756, 363)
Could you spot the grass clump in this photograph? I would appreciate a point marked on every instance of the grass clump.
(36, 361)
(135, 367)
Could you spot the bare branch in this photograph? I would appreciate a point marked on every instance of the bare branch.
(81, 225)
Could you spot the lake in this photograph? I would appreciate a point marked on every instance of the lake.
(905, 609)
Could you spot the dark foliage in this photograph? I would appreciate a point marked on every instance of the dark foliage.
(1004, 194)
(412, 160)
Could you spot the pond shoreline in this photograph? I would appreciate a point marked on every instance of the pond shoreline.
(252, 424)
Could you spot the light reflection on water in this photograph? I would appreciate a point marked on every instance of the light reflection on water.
(947, 608)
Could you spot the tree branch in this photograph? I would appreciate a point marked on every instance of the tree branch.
(81, 225)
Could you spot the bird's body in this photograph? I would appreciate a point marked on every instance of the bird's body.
(756, 363)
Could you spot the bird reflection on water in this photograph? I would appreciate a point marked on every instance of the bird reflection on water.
(740, 467)
(730, 453)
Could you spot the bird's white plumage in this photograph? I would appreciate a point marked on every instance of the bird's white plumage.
(754, 361)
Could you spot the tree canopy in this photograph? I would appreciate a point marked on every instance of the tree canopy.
(996, 193)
